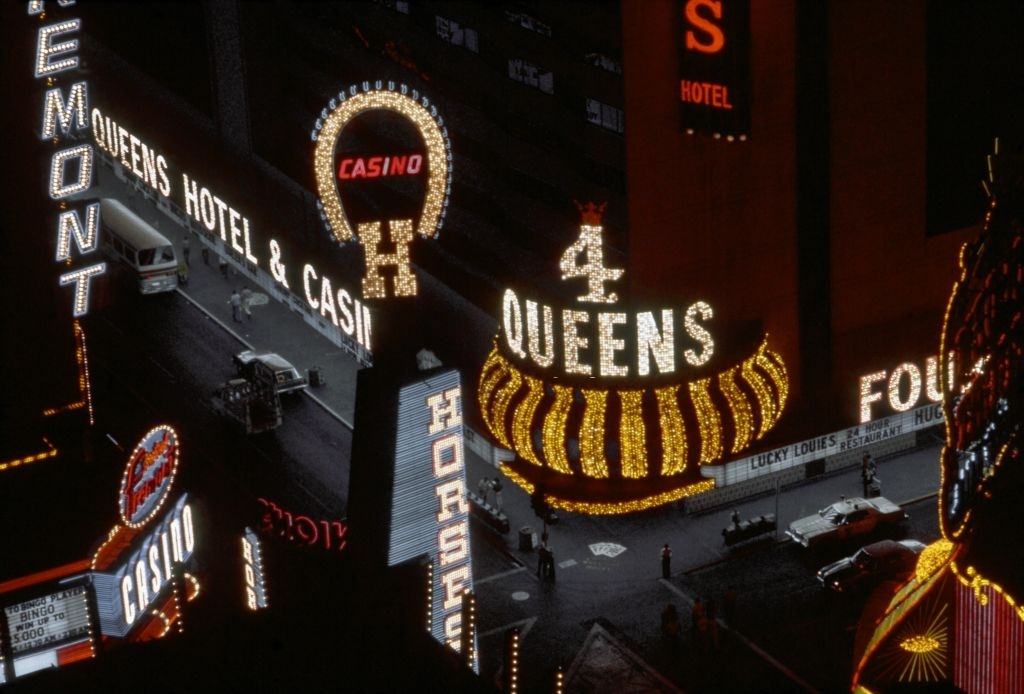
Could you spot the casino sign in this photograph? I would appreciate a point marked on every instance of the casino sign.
(611, 408)
(380, 148)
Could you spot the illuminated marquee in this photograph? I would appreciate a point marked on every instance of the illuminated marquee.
(430, 510)
(48, 629)
(331, 178)
(613, 410)
(904, 386)
(714, 67)
(133, 589)
(252, 572)
(148, 476)
(71, 169)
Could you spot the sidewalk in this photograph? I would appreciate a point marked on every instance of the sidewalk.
(275, 326)
(696, 540)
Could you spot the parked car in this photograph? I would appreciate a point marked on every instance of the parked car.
(887, 560)
(269, 368)
(844, 519)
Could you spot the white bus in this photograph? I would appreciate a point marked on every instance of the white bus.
(143, 249)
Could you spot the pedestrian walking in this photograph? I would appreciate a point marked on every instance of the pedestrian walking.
(206, 255)
(546, 561)
(496, 486)
(236, 306)
(735, 517)
(186, 248)
(865, 472)
(729, 605)
(247, 303)
(223, 265)
(666, 561)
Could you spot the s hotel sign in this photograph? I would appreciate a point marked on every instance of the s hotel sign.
(714, 68)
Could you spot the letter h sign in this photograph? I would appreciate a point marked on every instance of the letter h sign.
(401, 234)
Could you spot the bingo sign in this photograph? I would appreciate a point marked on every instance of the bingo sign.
(148, 476)
(714, 68)
(383, 172)
(49, 630)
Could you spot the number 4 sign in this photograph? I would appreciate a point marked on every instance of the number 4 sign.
(589, 244)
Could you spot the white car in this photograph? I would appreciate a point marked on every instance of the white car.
(843, 519)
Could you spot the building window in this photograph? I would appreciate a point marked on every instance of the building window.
(396, 5)
(528, 22)
(608, 117)
(456, 34)
(604, 62)
(528, 73)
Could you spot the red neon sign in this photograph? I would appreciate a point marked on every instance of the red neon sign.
(715, 39)
(302, 529)
(377, 167)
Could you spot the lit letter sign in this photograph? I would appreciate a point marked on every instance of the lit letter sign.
(333, 179)
(430, 510)
(252, 571)
(634, 400)
(903, 387)
(128, 593)
(60, 116)
(714, 68)
(148, 476)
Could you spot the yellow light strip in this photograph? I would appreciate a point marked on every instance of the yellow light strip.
(708, 421)
(765, 399)
(592, 459)
(977, 583)
(50, 452)
(614, 507)
(523, 419)
(501, 402)
(742, 417)
(633, 435)
(553, 431)
(773, 365)
(620, 507)
(490, 376)
(673, 431)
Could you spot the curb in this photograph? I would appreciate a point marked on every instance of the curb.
(782, 541)
(248, 345)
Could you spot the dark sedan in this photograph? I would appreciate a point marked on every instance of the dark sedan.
(871, 564)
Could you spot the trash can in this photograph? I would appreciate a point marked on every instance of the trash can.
(527, 538)
(316, 377)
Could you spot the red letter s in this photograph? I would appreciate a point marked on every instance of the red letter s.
(717, 38)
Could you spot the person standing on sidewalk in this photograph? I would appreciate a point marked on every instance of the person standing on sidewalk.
(247, 303)
(496, 486)
(666, 561)
(223, 265)
(186, 248)
(236, 306)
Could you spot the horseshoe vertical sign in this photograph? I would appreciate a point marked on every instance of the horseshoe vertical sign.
(380, 150)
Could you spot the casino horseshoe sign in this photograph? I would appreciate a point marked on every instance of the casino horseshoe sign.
(364, 195)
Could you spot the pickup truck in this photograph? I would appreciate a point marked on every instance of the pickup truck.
(848, 517)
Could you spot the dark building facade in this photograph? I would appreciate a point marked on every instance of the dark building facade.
(820, 228)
